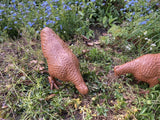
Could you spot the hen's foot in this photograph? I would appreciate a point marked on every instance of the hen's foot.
(52, 83)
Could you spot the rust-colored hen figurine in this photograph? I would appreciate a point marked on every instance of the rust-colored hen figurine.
(62, 63)
(145, 68)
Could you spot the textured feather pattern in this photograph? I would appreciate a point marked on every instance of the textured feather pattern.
(145, 68)
(62, 63)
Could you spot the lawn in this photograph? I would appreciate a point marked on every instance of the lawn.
(101, 37)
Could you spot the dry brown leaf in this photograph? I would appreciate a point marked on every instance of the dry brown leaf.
(9, 66)
(39, 67)
(50, 96)
(97, 43)
(85, 50)
(41, 62)
(90, 44)
(33, 61)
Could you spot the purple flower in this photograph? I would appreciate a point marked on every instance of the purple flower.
(127, 6)
(130, 19)
(35, 19)
(45, 3)
(50, 22)
(30, 24)
(141, 15)
(57, 18)
(1, 11)
(13, 1)
(147, 19)
(15, 22)
(14, 14)
(61, 27)
(133, 13)
(142, 23)
(5, 27)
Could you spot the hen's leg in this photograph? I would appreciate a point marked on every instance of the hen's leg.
(58, 83)
(52, 82)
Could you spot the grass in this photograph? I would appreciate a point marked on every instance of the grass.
(26, 93)
(24, 88)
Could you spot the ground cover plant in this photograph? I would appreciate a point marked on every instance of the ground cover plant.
(102, 34)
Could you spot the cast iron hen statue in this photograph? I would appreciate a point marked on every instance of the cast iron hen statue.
(62, 63)
(145, 68)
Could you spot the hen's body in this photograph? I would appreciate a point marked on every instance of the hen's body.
(62, 63)
(145, 68)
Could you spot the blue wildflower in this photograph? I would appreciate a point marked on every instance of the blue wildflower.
(27, 11)
(127, 6)
(141, 15)
(82, 6)
(76, 2)
(121, 9)
(14, 14)
(55, 0)
(48, 8)
(142, 23)
(45, 3)
(93, 0)
(148, 0)
(133, 13)
(50, 22)
(15, 22)
(5, 27)
(148, 9)
(21, 3)
(37, 31)
(35, 19)
(30, 24)
(55, 6)
(68, 8)
(147, 19)
(157, 4)
(2, 5)
(57, 18)
(49, 13)
(14, 6)
(13, 1)
(130, 19)
(1, 19)
(34, 3)
(81, 3)
(61, 27)
(1, 11)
